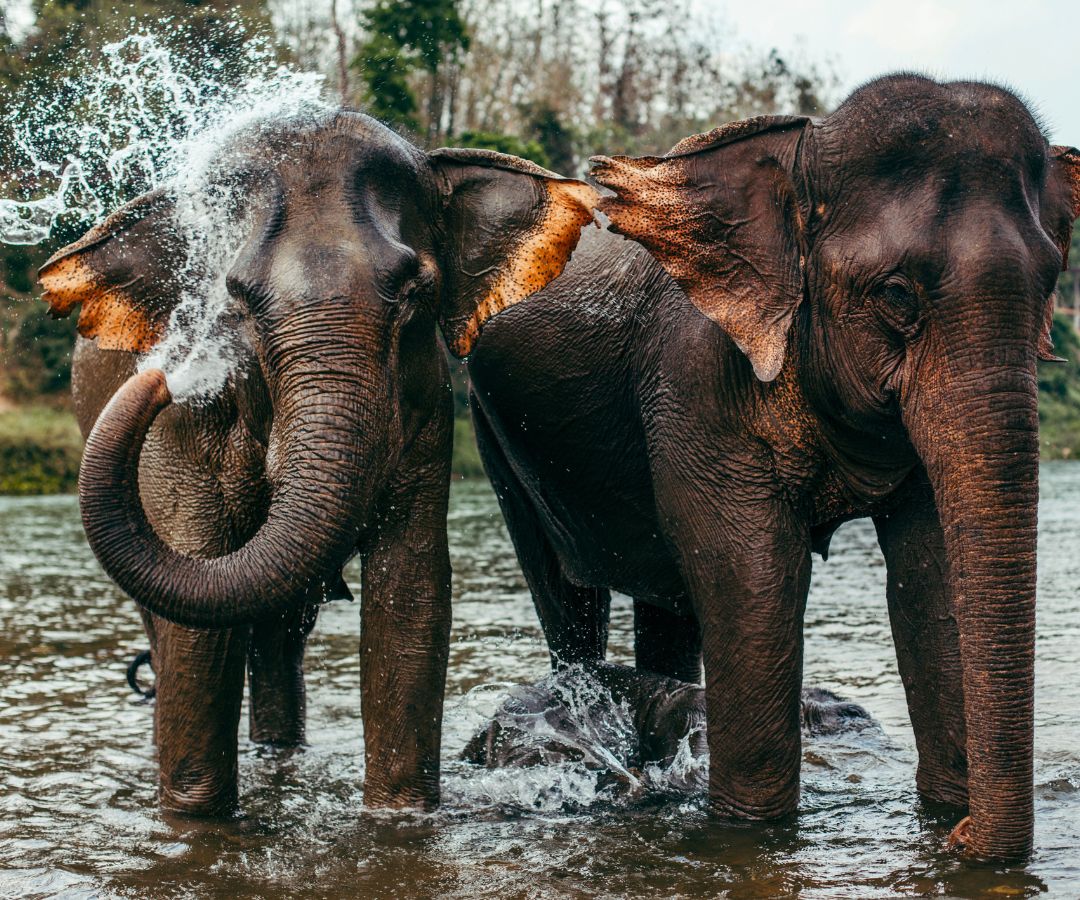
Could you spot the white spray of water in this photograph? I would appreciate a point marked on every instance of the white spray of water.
(145, 118)
(599, 732)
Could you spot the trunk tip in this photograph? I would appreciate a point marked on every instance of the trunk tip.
(155, 384)
(960, 837)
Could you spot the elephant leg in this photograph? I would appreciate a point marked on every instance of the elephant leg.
(574, 618)
(404, 646)
(745, 556)
(200, 684)
(927, 640)
(667, 643)
(277, 702)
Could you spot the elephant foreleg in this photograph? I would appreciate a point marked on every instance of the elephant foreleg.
(200, 683)
(277, 701)
(745, 557)
(574, 618)
(667, 643)
(404, 645)
(927, 640)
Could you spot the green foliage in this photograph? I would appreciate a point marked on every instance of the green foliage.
(37, 353)
(406, 36)
(10, 64)
(504, 143)
(385, 72)
(557, 140)
(40, 449)
(1059, 395)
(1068, 279)
(67, 31)
(35, 350)
(18, 268)
(426, 31)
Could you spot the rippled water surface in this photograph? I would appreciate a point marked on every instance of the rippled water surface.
(78, 815)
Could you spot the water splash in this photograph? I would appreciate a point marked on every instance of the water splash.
(577, 749)
(145, 117)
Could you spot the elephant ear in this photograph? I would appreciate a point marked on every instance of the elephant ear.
(719, 212)
(509, 227)
(124, 272)
(1065, 175)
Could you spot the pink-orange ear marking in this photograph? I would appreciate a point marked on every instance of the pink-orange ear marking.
(538, 257)
(108, 313)
(718, 212)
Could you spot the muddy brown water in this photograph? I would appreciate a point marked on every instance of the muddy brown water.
(78, 816)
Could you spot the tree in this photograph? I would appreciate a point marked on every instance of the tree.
(555, 139)
(384, 69)
(409, 37)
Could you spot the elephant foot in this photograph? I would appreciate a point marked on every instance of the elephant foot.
(960, 837)
(284, 733)
(424, 799)
(200, 789)
(783, 805)
(277, 698)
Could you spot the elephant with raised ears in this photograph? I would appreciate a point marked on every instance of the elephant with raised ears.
(815, 320)
(228, 520)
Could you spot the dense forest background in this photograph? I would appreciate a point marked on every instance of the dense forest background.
(551, 80)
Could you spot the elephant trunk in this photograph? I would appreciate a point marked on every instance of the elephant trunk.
(313, 522)
(977, 434)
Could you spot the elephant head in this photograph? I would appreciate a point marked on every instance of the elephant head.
(896, 261)
(356, 247)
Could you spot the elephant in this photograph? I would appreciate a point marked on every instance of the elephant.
(802, 322)
(538, 723)
(798, 322)
(228, 520)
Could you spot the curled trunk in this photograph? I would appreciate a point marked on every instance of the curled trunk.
(313, 522)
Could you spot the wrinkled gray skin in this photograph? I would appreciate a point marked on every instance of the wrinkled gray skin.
(535, 726)
(332, 437)
(203, 483)
(850, 329)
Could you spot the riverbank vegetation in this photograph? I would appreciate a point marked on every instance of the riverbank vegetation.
(553, 82)
(40, 448)
(1059, 394)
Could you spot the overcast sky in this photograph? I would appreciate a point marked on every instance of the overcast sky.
(1031, 46)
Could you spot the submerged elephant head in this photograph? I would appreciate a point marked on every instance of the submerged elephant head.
(356, 247)
(893, 264)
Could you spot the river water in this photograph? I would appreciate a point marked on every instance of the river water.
(78, 815)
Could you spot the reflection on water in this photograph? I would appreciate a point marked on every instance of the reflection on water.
(78, 814)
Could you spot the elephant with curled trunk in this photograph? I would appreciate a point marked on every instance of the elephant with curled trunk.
(864, 299)
(229, 520)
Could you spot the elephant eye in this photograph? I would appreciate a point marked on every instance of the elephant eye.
(244, 291)
(420, 286)
(898, 306)
(899, 293)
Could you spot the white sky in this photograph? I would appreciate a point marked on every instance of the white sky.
(1030, 46)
